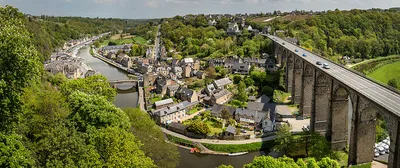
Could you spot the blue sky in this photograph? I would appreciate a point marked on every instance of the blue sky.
(138, 9)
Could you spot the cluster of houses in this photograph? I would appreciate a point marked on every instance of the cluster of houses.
(237, 65)
(259, 114)
(71, 67)
(111, 52)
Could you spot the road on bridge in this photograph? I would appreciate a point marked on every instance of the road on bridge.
(381, 95)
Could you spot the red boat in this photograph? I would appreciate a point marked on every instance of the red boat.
(194, 150)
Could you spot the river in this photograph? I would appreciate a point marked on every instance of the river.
(130, 99)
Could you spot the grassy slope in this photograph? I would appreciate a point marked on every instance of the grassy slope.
(386, 72)
(140, 40)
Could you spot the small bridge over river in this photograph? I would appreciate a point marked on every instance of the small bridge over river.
(131, 82)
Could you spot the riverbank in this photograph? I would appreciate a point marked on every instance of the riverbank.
(108, 61)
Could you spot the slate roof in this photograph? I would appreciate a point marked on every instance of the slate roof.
(258, 116)
(231, 129)
(163, 102)
(217, 109)
(222, 82)
(187, 92)
(169, 110)
(221, 93)
(263, 99)
(173, 87)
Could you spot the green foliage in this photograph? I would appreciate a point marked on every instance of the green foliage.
(225, 114)
(242, 93)
(381, 129)
(225, 166)
(237, 79)
(283, 139)
(154, 146)
(97, 44)
(393, 83)
(198, 127)
(93, 111)
(19, 65)
(328, 163)
(13, 152)
(300, 163)
(256, 146)
(93, 85)
(119, 148)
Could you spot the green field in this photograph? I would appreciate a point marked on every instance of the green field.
(137, 39)
(386, 72)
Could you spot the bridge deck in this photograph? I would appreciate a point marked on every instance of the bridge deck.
(381, 95)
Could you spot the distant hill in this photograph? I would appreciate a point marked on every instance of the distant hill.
(395, 8)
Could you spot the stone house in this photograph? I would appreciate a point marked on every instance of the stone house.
(187, 71)
(200, 75)
(233, 28)
(221, 83)
(221, 97)
(217, 109)
(177, 71)
(249, 118)
(230, 131)
(241, 68)
(196, 65)
(186, 94)
(172, 89)
(163, 103)
(126, 61)
(169, 114)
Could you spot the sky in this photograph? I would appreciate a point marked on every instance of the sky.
(143, 9)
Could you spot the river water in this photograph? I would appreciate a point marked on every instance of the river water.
(130, 99)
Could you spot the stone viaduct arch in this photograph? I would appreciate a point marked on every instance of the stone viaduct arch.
(344, 116)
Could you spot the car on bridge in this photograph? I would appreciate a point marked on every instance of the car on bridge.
(326, 66)
(319, 63)
(283, 43)
(296, 50)
(304, 55)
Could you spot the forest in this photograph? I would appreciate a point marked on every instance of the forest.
(193, 37)
(361, 34)
(50, 32)
(49, 121)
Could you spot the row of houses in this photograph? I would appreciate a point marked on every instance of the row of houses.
(237, 65)
(71, 67)
(167, 112)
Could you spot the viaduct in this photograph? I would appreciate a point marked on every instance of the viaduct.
(342, 104)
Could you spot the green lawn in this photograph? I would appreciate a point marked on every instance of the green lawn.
(281, 96)
(213, 127)
(138, 39)
(266, 145)
(193, 110)
(155, 99)
(386, 72)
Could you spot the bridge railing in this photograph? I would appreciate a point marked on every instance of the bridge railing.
(351, 70)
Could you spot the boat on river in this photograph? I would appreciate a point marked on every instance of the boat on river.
(194, 150)
(237, 154)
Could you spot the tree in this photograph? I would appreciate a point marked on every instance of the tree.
(154, 146)
(328, 163)
(267, 90)
(242, 93)
(211, 72)
(237, 79)
(225, 166)
(284, 139)
(96, 44)
(225, 114)
(394, 83)
(19, 65)
(223, 72)
(13, 152)
(198, 127)
(94, 111)
(300, 163)
(112, 43)
(119, 148)
(94, 85)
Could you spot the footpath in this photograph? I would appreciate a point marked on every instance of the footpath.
(214, 141)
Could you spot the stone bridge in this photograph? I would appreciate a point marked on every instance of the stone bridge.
(115, 83)
(342, 104)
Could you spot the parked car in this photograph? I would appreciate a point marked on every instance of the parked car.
(326, 66)
(304, 55)
(319, 63)
(243, 131)
(376, 154)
